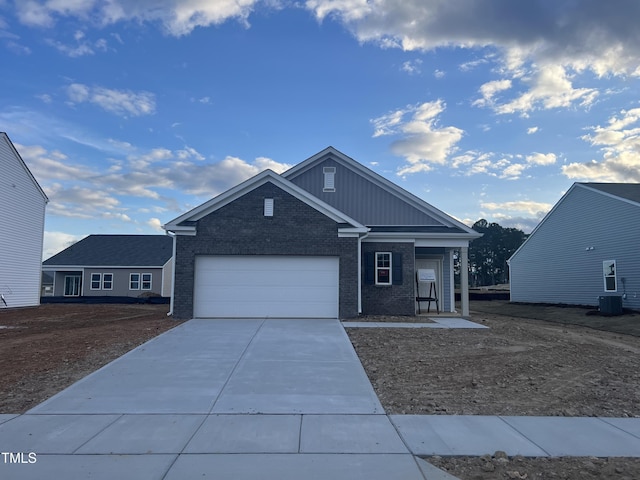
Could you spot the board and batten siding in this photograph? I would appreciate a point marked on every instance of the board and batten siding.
(557, 263)
(381, 207)
(22, 209)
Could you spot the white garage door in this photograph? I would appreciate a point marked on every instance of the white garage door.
(266, 286)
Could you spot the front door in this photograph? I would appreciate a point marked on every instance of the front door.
(434, 264)
(72, 285)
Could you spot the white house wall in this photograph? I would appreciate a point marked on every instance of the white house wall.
(22, 208)
(562, 260)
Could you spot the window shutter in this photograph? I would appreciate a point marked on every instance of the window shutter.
(369, 268)
(396, 269)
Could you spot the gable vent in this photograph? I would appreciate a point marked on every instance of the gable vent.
(268, 207)
(329, 179)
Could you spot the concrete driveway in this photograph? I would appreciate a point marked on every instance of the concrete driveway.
(218, 399)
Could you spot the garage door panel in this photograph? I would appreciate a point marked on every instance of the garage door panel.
(266, 286)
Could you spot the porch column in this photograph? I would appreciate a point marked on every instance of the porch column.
(464, 280)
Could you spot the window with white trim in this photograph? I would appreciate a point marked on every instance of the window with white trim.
(146, 281)
(96, 280)
(329, 179)
(383, 268)
(107, 281)
(134, 281)
(610, 278)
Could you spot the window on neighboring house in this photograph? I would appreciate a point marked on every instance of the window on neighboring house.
(96, 279)
(146, 281)
(610, 279)
(107, 281)
(329, 179)
(383, 268)
(134, 281)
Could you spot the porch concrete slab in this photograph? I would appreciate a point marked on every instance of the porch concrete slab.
(391, 325)
(144, 434)
(136, 385)
(450, 435)
(95, 467)
(454, 322)
(349, 434)
(247, 434)
(5, 417)
(55, 434)
(577, 436)
(295, 467)
(629, 425)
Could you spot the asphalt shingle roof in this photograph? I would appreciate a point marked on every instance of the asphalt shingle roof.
(116, 251)
(629, 191)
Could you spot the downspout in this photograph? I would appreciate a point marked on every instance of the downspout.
(173, 272)
(360, 238)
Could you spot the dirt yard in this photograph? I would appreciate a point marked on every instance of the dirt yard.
(531, 361)
(45, 349)
(540, 362)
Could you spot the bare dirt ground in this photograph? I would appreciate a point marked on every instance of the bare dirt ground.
(47, 348)
(531, 361)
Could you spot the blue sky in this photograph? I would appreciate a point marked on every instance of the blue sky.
(131, 112)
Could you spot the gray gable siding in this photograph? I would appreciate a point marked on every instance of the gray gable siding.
(360, 198)
(554, 265)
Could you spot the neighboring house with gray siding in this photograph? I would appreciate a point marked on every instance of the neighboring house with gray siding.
(587, 246)
(327, 238)
(22, 211)
(113, 266)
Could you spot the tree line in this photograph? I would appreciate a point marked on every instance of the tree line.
(488, 254)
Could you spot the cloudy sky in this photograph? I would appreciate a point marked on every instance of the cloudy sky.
(130, 112)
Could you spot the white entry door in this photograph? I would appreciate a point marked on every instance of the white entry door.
(263, 286)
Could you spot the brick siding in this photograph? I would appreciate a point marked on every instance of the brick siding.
(240, 228)
(392, 299)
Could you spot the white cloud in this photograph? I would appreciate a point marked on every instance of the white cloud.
(412, 67)
(513, 171)
(532, 130)
(620, 142)
(542, 159)
(589, 34)
(155, 224)
(52, 165)
(439, 74)
(521, 214)
(119, 102)
(489, 91)
(522, 206)
(177, 17)
(423, 142)
(550, 88)
(55, 242)
(152, 176)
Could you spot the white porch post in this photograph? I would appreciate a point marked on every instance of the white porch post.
(464, 280)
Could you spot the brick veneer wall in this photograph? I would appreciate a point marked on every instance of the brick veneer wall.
(240, 228)
(391, 299)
